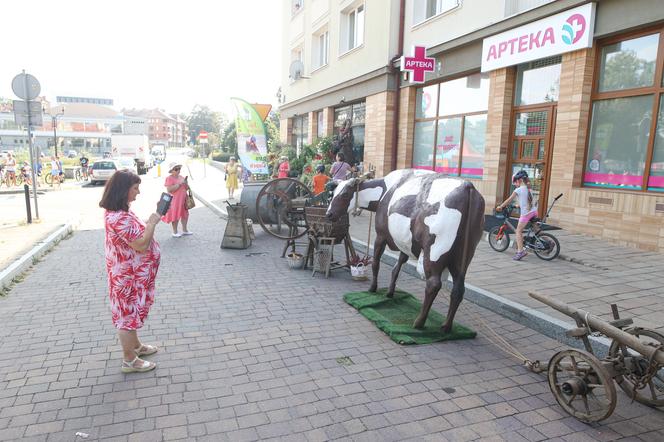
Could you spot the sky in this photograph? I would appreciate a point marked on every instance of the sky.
(170, 54)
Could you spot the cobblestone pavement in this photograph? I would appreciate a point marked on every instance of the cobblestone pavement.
(249, 351)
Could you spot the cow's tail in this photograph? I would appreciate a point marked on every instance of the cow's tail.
(469, 252)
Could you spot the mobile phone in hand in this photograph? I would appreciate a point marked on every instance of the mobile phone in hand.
(164, 203)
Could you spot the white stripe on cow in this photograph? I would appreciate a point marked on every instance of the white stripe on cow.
(445, 223)
(366, 196)
(393, 178)
(337, 191)
(399, 227)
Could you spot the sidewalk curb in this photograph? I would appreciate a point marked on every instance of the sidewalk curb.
(534, 319)
(221, 213)
(22, 264)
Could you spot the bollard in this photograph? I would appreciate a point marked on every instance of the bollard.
(159, 170)
(26, 189)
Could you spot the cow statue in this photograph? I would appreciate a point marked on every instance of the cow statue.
(426, 216)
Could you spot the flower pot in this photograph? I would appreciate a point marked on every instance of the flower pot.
(359, 272)
(295, 260)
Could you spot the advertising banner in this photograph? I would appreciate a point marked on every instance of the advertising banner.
(564, 32)
(251, 137)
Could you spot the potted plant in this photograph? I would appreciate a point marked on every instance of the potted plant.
(359, 267)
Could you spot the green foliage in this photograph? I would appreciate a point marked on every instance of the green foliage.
(228, 141)
(223, 157)
(202, 118)
(324, 146)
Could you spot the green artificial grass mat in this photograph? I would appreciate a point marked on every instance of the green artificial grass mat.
(395, 317)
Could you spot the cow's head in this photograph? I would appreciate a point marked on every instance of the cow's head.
(341, 200)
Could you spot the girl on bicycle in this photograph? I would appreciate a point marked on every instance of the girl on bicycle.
(527, 207)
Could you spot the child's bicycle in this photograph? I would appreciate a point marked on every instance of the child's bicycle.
(545, 245)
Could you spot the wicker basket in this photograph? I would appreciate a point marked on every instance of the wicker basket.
(320, 226)
(295, 260)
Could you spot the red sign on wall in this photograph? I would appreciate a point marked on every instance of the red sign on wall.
(418, 64)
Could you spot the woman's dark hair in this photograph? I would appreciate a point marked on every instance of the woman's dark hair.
(116, 192)
(341, 156)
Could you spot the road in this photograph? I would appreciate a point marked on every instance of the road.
(78, 203)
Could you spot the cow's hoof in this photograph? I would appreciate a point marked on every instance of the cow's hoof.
(390, 294)
(419, 324)
(445, 329)
(373, 288)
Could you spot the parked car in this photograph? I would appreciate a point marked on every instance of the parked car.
(72, 154)
(106, 155)
(126, 163)
(102, 171)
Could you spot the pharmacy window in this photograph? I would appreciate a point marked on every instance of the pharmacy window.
(626, 140)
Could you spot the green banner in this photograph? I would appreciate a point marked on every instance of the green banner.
(251, 137)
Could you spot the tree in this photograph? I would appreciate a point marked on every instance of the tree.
(272, 130)
(228, 140)
(202, 118)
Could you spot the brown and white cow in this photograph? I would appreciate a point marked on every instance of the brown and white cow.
(426, 216)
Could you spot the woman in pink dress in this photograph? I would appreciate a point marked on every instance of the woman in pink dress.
(177, 186)
(132, 261)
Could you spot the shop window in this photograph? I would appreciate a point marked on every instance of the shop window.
(425, 9)
(300, 131)
(450, 126)
(426, 102)
(628, 64)
(538, 82)
(349, 124)
(656, 179)
(320, 124)
(618, 142)
(625, 149)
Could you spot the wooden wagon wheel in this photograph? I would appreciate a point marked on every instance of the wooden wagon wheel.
(581, 385)
(280, 206)
(640, 381)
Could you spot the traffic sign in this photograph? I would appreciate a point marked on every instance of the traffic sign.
(26, 86)
(22, 119)
(202, 134)
(21, 107)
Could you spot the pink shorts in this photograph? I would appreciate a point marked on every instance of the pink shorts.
(527, 217)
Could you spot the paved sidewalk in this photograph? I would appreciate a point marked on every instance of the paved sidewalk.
(251, 350)
(17, 239)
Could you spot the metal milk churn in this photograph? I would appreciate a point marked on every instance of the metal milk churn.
(236, 235)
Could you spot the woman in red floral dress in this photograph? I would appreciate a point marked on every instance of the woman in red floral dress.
(132, 261)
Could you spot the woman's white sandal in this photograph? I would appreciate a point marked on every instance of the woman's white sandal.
(128, 367)
(146, 350)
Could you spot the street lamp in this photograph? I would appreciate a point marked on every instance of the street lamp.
(54, 121)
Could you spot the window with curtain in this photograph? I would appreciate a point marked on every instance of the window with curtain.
(450, 126)
(625, 146)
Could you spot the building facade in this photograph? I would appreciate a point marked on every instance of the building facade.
(82, 127)
(162, 128)
(587, 123)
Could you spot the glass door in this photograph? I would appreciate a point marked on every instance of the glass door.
(532, 141)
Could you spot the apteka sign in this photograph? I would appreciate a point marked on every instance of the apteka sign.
(418, 64)
(565, 32)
